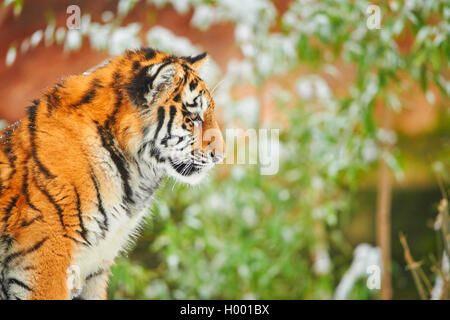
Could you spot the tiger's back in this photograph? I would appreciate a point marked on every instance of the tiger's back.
(78, 172)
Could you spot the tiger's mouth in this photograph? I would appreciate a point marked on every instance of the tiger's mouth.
(185, 168)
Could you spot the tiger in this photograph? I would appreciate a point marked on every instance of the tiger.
(79, 171)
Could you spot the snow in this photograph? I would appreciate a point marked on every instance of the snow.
(11, 56)
(364, 256)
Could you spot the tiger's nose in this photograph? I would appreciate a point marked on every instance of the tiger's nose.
(216, 158)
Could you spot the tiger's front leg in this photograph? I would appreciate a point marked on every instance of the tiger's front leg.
(42, 272)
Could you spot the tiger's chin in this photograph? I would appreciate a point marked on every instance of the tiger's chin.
(187, 172)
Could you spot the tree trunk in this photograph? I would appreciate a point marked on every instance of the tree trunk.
(383, 222)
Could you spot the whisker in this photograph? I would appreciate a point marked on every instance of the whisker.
(217, 85)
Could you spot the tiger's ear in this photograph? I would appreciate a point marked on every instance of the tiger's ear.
(197, 61)
(161, 78)
(151, 83)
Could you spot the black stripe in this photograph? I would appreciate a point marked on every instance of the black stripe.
(7, 241)
(90, 94)
(139, 87)
(186, 74)
(19, 283)
(141, 150)
(53, 100)
(8, 151)
(136, 65)
(17, 254)
(194, 103)
(195, 58)
(101, 209)
(149, 53)
(74, 240)
(193, 84)
(25, 190)
(118, 159)
(186, 67)
(177, 98)
(173, 112)
(49, 197)
(95, 274)
(61, 84)
(32, 130)
(7, 211)
(155, 153)
(30, 222)
(5, 293)
(160, 121)
(170, 59)
(117, 80)
(83, 231)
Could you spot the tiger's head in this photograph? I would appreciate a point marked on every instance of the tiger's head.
(181, 134)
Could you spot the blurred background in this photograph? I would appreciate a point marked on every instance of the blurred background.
(360, 93)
